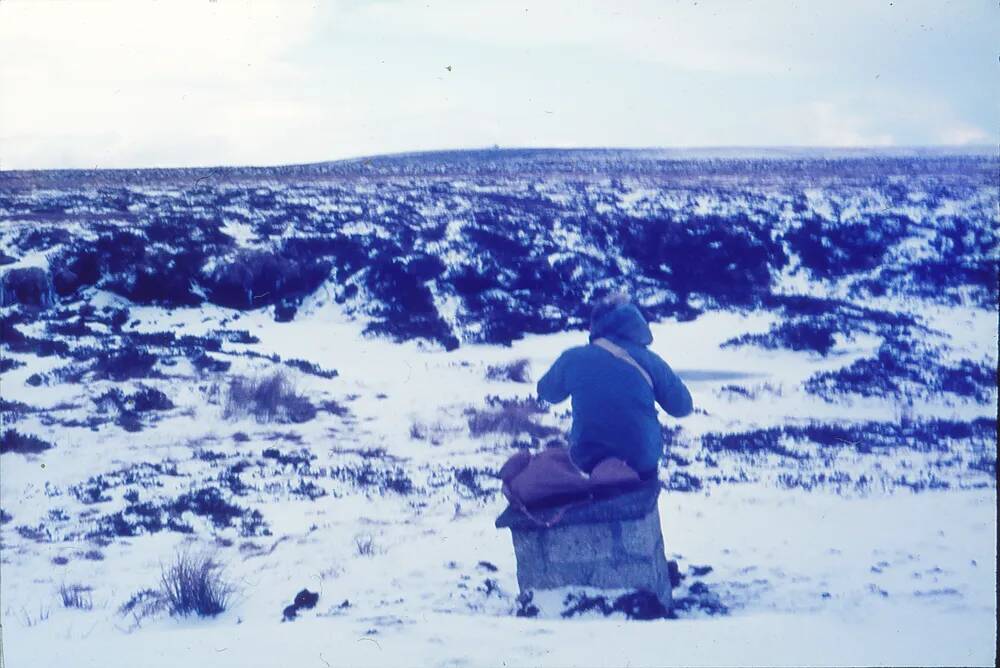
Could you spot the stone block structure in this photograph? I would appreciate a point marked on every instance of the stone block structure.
(28, 286)
(613, 543)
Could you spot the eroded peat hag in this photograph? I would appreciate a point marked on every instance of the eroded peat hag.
(427, 253)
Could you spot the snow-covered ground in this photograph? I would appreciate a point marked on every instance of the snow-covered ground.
(809, 577)
(914, 586)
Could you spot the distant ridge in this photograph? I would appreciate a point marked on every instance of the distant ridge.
(589, 162)
(701, 153)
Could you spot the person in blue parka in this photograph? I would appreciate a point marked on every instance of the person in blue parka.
(614, 382)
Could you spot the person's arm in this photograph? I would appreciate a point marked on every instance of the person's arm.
(552, 387)
(670, 390)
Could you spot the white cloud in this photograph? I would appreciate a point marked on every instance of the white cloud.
(827, 125)
(964, 135)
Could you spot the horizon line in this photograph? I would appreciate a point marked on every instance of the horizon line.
(717, 151)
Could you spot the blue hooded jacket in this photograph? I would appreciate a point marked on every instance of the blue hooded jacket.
(613, 410)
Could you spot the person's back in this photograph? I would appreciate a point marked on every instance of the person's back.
(614, 382)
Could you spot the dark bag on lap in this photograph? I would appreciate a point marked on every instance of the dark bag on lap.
(550, 480)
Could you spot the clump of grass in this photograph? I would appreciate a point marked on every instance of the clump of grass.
(335, 407)
(268, 398)
(123, 364)
(144, 400)
(467, 481)
(195, 584)
(30, 620)
(511, 417)
(365, 545)
(76, 596)
(517, 371)
(142, 604)
(434, 433)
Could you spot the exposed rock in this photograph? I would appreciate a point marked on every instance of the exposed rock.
(28, 286)
(304, 600)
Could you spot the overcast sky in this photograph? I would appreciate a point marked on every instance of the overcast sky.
(131, 84)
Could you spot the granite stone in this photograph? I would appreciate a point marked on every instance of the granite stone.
(616, 545)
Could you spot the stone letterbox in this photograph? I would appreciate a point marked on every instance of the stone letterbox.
(614, 543)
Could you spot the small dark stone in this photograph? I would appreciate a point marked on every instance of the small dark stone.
(578, 604)
(488, 566)
(698, 588)
(675, 574)
(640, 605)
(525, 607)
(700, 598)
(306, 599)
(289, 614)
(698, 571)
(284, 311)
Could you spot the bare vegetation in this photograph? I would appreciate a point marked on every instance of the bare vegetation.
(434, 433)
(142, 604)
(510, 417)
(30, 620)
(517, 371)
(195, 584)
(14, 441)
(76, 596)
(268, 398)
(365, 545)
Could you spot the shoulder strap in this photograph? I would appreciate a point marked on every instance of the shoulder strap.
(623, 355)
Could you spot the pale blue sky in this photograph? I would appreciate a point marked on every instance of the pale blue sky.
(130, 84)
